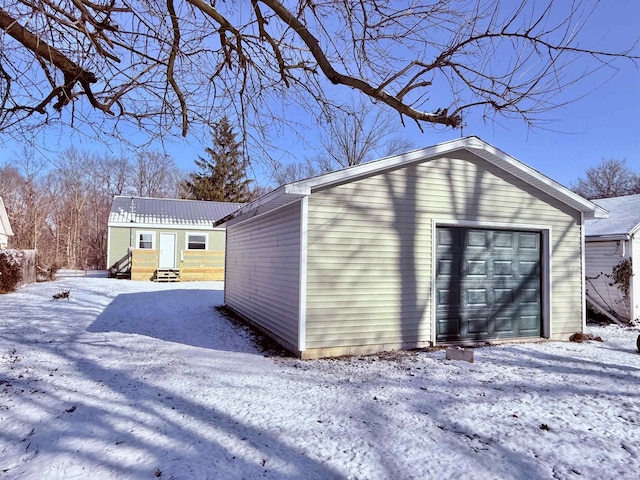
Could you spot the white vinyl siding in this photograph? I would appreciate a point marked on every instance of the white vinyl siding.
(635, 278)
(370, 257)
(263, 271)
(600, 259)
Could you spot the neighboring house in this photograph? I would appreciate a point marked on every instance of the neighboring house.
(5, 226)
(612, 245)
(454, 243)
(166, 239)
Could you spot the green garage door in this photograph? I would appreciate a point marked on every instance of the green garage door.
(487, 284)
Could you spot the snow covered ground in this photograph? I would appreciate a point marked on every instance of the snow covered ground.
(142, 380)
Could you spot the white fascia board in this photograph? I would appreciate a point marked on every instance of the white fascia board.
(535, 178)
(583, 276)
(474, 145)
(296, 189)
(302, 280)
(165, 226)
(258, 202)
(371, 168)
(607, 238)
(275, 199)
(634, 230)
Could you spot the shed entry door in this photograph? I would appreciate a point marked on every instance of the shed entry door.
(167, 250)
(487, 284)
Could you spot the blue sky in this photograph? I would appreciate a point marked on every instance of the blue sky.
(605, 123)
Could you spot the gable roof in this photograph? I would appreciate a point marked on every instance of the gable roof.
(5, 226)
(623, 221)
(167, 212)
(292, 191)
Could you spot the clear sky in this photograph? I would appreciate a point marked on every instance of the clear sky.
(605, 123)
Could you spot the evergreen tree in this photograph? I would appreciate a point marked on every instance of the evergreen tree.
(221, 177)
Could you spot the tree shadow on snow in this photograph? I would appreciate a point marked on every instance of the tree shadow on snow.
(182, 316)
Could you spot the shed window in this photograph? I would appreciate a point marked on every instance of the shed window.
(196, 241)
(145, 239)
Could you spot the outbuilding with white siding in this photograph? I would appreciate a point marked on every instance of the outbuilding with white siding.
(454, 243)
(613, 258)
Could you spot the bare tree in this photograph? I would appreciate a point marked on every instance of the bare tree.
(357, 134)
(163, 65)
(155, 174)
(354, 134)
(20, 187)
(612, 178)
(290, 172)
(70, 189)
(13, 193)
(114, 175)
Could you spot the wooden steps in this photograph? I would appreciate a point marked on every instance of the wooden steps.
(167, 275)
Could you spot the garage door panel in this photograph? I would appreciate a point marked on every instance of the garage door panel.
(447, 267)
(503, 296)
(477, 268)
(448, 327)
(503, 240)
(528, 241)
(447, 237)
(528, 267)
(478, 326)
(477, 297)
(497, 293)
(503, 268)
(447, 298)
(477, 239)
(504, 325)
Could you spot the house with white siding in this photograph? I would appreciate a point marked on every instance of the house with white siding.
(454, 243)
(5, 226)
(166, 239)
(613, 256)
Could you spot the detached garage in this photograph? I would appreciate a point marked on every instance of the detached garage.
(613, 246)
(454, 243)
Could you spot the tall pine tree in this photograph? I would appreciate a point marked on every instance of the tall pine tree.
(222, 177)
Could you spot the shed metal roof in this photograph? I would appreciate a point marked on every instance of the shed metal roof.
(293, 191)
(168, 211)
(624, 217)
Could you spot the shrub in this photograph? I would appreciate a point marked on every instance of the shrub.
(10, 269)
(621, 275)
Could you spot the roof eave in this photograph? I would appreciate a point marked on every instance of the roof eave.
(295, 190)
(277, 198)
(535, 178)
(607, 237)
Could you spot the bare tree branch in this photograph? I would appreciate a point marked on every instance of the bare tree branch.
(167, 65)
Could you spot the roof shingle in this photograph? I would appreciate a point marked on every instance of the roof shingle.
(624, 217)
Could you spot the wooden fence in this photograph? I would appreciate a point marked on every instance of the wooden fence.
(194, 264)
(201, 265)
(144, 263)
